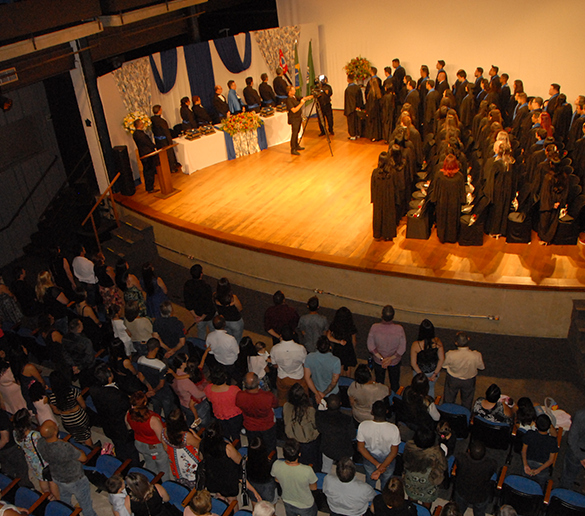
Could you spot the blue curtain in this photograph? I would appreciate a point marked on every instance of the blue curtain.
(230, 56)
(200, 73)
(168, 60)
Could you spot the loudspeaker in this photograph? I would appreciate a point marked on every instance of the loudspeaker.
(122, 163)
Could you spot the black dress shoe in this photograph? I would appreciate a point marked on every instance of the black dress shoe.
(300, 148)
(321, 134)
(331, 133)
(154, 190)
(295, 153)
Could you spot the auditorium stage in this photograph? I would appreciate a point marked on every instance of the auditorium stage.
(304, 222)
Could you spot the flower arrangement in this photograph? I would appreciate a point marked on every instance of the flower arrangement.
(130, 118)
(247, 121)
(359, 67)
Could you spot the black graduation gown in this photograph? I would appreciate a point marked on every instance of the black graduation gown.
(374, 120)
(385, 199)
(399, 86)
(433, 99)
(187, 118)
(353, 100)
(575, 132)
(549, 215)
(413, 98)
(460, 92)
(467, 111)
(267, 94)
(163, 138)
(448, 195)
(252, 98)
(220, 104)
(579, 160)
(280, 87)
(498, 189)
(562, 121)
(388, 103)
(201, 115)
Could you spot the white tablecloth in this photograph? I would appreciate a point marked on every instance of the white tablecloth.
(209, 150)
(277, 129)
(203, 152)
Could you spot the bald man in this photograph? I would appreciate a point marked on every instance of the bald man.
(66, 463)
(258, 406)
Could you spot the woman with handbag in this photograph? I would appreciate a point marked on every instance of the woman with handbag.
(27, 439)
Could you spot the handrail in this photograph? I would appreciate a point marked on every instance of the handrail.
(107, 191)
(98, 202)
(30, 194)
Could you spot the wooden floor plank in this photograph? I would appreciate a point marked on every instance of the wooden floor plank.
(315, 203)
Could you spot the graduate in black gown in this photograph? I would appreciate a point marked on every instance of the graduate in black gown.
(498, 189)
(553, 196)
(388, 103)
(354, 101)
(448, 194)
(187, 116)
(374, 125)
(385, 197)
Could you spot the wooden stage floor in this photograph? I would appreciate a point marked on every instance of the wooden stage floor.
(316, 208)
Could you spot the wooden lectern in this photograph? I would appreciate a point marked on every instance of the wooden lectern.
(163, 172)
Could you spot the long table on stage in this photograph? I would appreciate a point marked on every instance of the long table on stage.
(208, 150)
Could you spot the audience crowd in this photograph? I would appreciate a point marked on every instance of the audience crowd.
(119, 359)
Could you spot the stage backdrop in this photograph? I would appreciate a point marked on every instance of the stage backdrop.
(532, 40)
(136, 82)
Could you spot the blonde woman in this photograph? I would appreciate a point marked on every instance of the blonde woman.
(54, 300)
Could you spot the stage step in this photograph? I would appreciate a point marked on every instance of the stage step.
(133, 241)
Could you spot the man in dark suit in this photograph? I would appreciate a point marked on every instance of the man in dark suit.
(354, 100)
(478, 74)
(460, 88)
(145, 146)
(440, 66)
(280, 86)
(112, 405)
(551, 105)
(522, 119)
(251, 96)
(201, 114)
(505, 97)
(266, 92)
(388, 75)
(493, 73)
(398, 81)
(432, 100)
(220, 103)
(163, 138)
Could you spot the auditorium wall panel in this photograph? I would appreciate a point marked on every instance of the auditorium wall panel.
(535, 41)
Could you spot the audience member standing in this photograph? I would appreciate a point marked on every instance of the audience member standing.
(354, 102)
(473, 485)
(12, 459)
(224, 348)
(198, 298)
(387, 344)
(257, 407)
(322, 370)
(378, 442)
(312, 325)
(364, 392)
(575, 453)
(66, 468)
(346, 495)
(278, 316)
(289, 357)
(462, 365)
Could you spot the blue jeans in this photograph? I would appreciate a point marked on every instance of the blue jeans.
(479, 509)
(235, 329)
(542, 477)
(572, 467)
(291, 510)
(203, 327)
(82, 491)
(384, 477)
(155, 458)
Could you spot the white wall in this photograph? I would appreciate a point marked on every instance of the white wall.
(171, 101)
(533, 40)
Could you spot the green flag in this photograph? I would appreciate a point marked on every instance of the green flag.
(297, 81)
(310, 69)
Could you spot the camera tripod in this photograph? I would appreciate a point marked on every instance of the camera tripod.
(321, 120)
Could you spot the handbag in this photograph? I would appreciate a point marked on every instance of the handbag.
(46, 473)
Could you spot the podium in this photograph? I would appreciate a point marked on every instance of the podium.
(163, 172)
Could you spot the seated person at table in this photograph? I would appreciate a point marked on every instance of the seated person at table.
(220, 103)
(251, 96)
(266, 92)
(187, 118)
(201, 115)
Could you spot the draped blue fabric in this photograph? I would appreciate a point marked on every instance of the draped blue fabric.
(168, 61)
(200, 73)
(230, 55)
(229, 146)
(262, 137)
